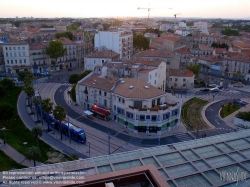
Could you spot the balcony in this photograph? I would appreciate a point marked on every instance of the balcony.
(155, 108)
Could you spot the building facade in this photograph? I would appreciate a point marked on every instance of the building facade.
(120, 42)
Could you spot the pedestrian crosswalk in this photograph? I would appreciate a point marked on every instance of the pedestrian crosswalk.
(66, 84)
(232, 94)
(184, 137)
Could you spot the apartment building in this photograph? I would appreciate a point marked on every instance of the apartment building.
(172, 43)
(99, 58)
(38, 58)
(180, 79)
(120, 42)
(141, 107)
(82, 50)
(16, 57)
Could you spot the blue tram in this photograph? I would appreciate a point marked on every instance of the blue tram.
(67, 129)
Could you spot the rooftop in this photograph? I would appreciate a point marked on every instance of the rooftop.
(193, 163)
(103, 54)
(137, 88)
(180, 73)
(154, 53)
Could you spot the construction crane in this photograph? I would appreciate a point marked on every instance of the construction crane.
(149, 13)
(176, 15)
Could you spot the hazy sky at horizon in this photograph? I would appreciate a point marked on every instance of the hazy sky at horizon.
(125, 8)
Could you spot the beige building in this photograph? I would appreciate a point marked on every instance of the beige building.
(181, 79)
(172, 43)
(141, 107)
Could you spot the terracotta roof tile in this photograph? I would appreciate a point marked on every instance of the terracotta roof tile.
(138, 90)
(154, 53)
(103, 54)
(172, 38)
(241, 44)
(35, 46)
(96, 81)
(183, 50)
(180, 73)
(158, 40)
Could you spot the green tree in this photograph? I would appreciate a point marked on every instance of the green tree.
(7, 83)
(7, 112)
(29, 90)
(55, 50)
(195, 68)
(73, 93)
(28, 78)
(229, 106)
(47, 106)
(67, 34)
(229, 32)
(73, 78)
(106, 26)
(96, 24)
(2, 91)
(37, 132)
(140, 42)
(74, 26)
(84, 74)
(73, 157)
(59, 114)
(21, 75)
(33, 153)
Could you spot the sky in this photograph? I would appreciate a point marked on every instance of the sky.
(125, 8)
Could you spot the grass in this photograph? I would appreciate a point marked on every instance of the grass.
(17, 133)
(7, 163)
(188, 110)
(224, 112)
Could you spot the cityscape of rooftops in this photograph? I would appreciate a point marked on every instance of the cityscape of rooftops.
(125, 93)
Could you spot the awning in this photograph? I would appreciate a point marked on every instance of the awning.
(98, 110)
(88, 112)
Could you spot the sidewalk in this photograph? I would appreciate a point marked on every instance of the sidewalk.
(16, 156)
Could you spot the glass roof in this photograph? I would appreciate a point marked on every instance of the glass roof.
(193, 181)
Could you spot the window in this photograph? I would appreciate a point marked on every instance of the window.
(114, 107)
(150, 76)
(122, 100)
(153, 103)
(24, 60)
(154, 118)
(10, 54)
(24, 54)
(100, 92)
(155, 81)
(147, 117)
(23, 48)
(158, 101)
(119, 99)
(176, 79)
(14, 48)
(18, 48)
(7, 54)
(156, 74)
(166, 116)
(11, 61)
(138, 104)
(16, 61)
(8, 61)
(19, 54)
(184, 80)
(6, 48)
(105, 94)
(120, 111)
(9, 48)
(130, 115)
(142, 117)
(105, 102)
(20, 61)
(15, 54)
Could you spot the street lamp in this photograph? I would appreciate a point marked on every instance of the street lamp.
(4, 134)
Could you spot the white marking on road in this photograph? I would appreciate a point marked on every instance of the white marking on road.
(217, 122)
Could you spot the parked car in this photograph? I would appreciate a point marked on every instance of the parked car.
(241, 103)
(205, 89)
(220, 87)
(213, 85)
(44, 73)
(216, 89)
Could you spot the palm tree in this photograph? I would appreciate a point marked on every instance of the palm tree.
(59, 114)
(36, 101)
(29, 90)
(33, 153)
(229, 106)
(47, 106)
(37, 132)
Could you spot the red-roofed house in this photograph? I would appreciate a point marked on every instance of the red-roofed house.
(172, 43)
(181, 79)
